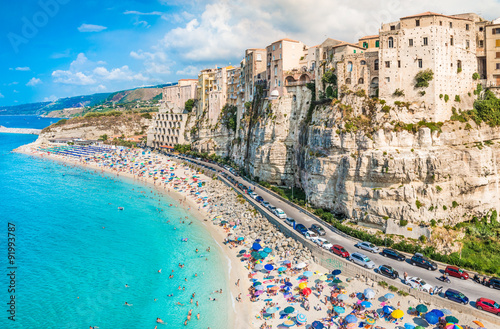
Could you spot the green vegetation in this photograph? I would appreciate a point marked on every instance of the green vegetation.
(433, 126)
(423, 77)
(393, 288)
(60, 122)
(189, 105)
(147, 115)
(103, 114)
(438, 188)
(485, 110)
(383, 284)
(418, 204)
(475, 76)
(403, 222)
(446, 98)
(228, 116)
(329, 77)
(182, 148)
(457, 98)
(398, 93)
(103, 137)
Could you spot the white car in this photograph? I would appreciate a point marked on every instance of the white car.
(361, 260)
(418, 283)
(323, 243)
(310, 235)
(280, 213)
(367, 246)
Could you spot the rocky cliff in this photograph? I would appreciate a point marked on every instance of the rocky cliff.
(369, 161)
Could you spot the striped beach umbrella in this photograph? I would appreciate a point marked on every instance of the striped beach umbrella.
(301, 318)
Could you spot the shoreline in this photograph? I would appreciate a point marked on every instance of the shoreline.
(239, 317)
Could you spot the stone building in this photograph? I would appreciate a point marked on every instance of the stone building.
(254, 71)
(169, 124)
(492, 54)
(206, 80)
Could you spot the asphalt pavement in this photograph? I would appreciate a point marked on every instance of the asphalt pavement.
(469, 288)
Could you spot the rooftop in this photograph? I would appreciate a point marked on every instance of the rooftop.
(430, 13)
(370, 37)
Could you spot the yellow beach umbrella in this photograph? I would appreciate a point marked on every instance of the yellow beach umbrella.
(302, 285)
(323, 278)
(397, 314)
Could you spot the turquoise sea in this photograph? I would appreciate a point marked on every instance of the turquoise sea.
(75, 251)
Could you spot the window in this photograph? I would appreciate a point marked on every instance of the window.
(259, 57)
(420, 63)
(273, 58)
(280, 56)
(393, 27)
(275, 69)
(280, 45)
(495, 31)
(391, 42)
(375, 64)
(348, 81)
(426, 41)
(497, 43)
(467, 44)
(481, 29)
(361, 80)
(410, 42)
(399, 64)
(349, 67)
(279, 83)
(417, 22)
(354, 51)
(387, 79)
(387, 64)
(365, 44)
(459, 65)
(377, 44)
(467, 27)
(481, 43)
(451, 41)
(498, 55)
(440, 23)
(363, 63)
(451, 25)
(274, 47)
(498, 66)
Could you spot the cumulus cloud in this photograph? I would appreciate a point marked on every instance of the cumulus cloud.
(155, 63)
(188, 71)
(91, 28)
(33, 82)
(83, 71)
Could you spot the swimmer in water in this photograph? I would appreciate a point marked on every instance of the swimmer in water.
(127, 304)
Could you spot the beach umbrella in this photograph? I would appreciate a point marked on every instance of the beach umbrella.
(258, 292)
(307, 273)
(336, 272)
(272, 310)
(288, 323)
(342, 297)
(259, 287)
(323, 278)
(263, 254)
(255, 246)
(302, 285)
(242, 251)
(307, 291)
(281, 269)
(286, 262)
(339, 309)
(409, 326)
(350, 326)
(268, 250)
(389, 296)
(369, 293)
(479, 323)
(431, 318)
(397, 314)
(351, 318)
(241, 238)
(317, 325)
(438, 313)
(257, 283)
(451, 319)
(246, 255)
(387, 309)
(370, 320)
(342, 285)
(288, 310)
(366, 304)
(269, 267)
(275, 288)
(258, 267)
(257, 240)
(300, 265)
(336, 281)
(301, 318)
(453, 326)
(421, 308)
(445, 311)
(288, 284)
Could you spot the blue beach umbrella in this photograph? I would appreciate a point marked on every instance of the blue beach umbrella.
(259, 287)
(268, 250)
(286, 262)
(241, 238)
(288, 284)
(431, 318)
(351, 319)
(269, 267)
(409, 326)
(389, 296)
(336, 272)
(257, 283)
(317, 325)
(387, 309)
(307, 274)
(258, 267)
(282, 269)
(339, 309)
(342, 297)
(256, 246)
(243, 251)
(366, 304)
(272, 310)
(438, 313)
(263, 254)
(301, 318)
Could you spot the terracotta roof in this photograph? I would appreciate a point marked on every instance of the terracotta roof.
(430, 13)
(285, 39)
(167, 147)
(370, 37)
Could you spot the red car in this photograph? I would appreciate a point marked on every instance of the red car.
(456, 272)
(339, 250)
(488, 305)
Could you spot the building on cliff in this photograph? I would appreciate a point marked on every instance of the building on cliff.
(168, 125)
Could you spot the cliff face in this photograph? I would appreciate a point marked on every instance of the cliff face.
(371, 162)
(92, 128)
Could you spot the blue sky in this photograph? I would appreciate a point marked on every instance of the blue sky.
(58, 48)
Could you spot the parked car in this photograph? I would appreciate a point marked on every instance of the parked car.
(318, 229)
(456, 296)
(340, 251)
(362, 260)
(388, 271)
(420, 260)
(301, 229)
(279, 213)
(393, 254)
(456, 272)
(266, 204)
(417, 283)
(323, 243)
(252, 194)
(290, 221)
(488, 305)
(310, 235)
(271, 208)
(259, 198)
(494, 283)
(367, 246)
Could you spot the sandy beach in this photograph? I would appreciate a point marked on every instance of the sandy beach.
(274, 282)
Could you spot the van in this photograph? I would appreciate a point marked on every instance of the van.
(456, 296)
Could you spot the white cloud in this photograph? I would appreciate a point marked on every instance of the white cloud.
(135, 12)
(2, 96)
(188, 71)
(142, 23)
(63, 54)
(33, 82)
(72, 78)
(23, 68)
(155, 63)
(91, 28)
(51, 98)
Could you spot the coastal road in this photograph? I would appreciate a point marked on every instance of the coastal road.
(468, 287)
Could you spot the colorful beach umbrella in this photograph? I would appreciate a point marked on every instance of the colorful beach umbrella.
(336, 281)
(370, 320)
(301, 318)
(289, 310)
(289, 284)
(453, 326)
(421, 308)
(351, 318)
(369, 293)
(268, 250)
(300, 265)
(302, 285)
(339, 309)
(387, 309)
(451, 319)
(323, 278)
(255, 246)
(409, 326)
(397, 314)
(288, 323)
(282, 269)
(479, 323)
(258, 267)
(307, 291)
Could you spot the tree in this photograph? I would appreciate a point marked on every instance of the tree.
(189, 105)
(329, 77)
(423, 77)
(104, 138)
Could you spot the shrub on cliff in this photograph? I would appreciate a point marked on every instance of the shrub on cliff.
(423, 77)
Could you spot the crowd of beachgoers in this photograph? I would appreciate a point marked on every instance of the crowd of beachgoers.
(282, 286)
